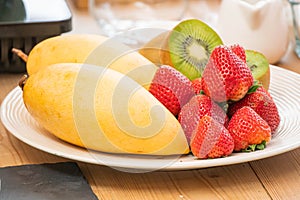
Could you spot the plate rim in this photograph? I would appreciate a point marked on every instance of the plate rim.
(174, 166)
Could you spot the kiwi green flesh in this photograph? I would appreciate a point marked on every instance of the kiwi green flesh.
(190, 44)
(257, 63)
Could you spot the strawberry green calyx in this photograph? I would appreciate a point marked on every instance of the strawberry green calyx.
(254, 87)
(224, 105)
(254, 147)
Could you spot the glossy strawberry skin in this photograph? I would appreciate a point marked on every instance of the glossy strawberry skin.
(171, 88)
(196, 83)
(226, 76)
(262, 103)
(195, 109)
(211, 139)
(239, 51)
(248, 128)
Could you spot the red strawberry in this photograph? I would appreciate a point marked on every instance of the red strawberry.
(195, 109)
(171, 88)
(262, 103)
(239, 51)
(226, 76)
(196, 83)
(248, 129)
(211, 139)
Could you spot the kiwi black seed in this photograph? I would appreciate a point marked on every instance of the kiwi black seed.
(190, 44)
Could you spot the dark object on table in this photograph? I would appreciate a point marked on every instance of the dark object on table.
(23, 24)
(59, 181)
(12, 11)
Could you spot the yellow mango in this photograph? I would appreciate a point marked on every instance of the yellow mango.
(101, 109)
(91, 49)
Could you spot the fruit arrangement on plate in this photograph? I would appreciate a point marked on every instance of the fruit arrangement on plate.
(183, 92)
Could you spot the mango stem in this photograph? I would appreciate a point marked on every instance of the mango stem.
(22, 81)
(20, 53)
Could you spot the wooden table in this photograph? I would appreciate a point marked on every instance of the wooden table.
(276, 177)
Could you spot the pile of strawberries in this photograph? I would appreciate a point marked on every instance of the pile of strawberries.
(223, 111)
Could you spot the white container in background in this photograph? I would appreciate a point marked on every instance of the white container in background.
(261, 25)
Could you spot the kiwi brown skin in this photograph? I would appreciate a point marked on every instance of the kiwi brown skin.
(259, 67)
(265, 80)
(156, 49)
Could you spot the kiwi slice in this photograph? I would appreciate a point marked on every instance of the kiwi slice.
(190, 44)
(259, 66)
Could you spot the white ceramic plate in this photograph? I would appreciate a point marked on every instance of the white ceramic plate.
(285, 89)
